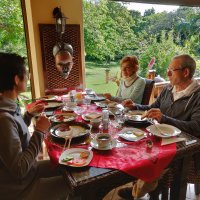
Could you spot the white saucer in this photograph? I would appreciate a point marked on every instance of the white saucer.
(112, 144)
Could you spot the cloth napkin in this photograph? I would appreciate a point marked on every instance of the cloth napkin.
(171, 140)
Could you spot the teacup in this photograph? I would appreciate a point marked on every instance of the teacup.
(103, 140)
(95, 123)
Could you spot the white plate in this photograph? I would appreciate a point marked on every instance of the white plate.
(88, 114)
(75, 153)
(77, 131)
(95, 145)
(128, 134)
(53, 105)
(109, 104)
(67, 109)
(135, 116)
(68, 117)
(165, 128)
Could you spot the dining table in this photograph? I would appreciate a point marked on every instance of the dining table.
(126, 161)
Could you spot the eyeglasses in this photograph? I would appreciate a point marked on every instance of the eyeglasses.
(173, 70)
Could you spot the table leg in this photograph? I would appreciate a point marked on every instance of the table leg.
(179, 185)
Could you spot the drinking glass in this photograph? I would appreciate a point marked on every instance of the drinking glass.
(79, 110)
(120, 119)
(87, 101)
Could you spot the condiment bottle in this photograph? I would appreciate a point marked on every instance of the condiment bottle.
(105, 120)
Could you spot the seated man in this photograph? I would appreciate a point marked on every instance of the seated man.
(178, 103)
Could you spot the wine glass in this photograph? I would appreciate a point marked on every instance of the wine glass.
(87, 101)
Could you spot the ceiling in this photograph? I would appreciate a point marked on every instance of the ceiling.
(167, 2)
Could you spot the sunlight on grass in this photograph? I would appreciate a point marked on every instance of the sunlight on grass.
(96, 77)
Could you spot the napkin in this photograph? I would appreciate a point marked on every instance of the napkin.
(166, 141)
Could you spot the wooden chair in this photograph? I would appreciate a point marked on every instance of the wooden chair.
(147, 91)
(53, 82)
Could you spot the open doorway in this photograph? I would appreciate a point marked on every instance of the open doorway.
(115, 29)
(12, 34)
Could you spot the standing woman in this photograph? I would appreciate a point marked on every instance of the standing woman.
(21, 176)
(131, 85)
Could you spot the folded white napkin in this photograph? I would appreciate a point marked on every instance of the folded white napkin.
(166, 141)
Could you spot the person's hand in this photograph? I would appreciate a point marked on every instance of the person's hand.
(107, 95)
(36, 109)
(42, 124)
(128, 103)
(153, 113)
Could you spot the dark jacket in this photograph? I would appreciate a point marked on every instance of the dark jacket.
(183, 113)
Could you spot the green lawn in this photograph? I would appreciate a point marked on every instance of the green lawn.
(96, 77)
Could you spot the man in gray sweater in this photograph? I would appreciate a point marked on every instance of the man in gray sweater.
(177, 105)
(179, 102)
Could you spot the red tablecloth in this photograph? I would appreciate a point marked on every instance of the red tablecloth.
(133, 158)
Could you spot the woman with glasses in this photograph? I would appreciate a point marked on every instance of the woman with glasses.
(131, 85)
(21, 176)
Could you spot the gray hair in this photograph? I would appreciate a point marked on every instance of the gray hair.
(187, 62)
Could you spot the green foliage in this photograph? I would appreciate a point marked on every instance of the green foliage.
(107, 28)
(12, 37)
(96, 80)
(163, 51)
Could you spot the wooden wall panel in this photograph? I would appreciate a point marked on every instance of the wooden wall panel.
(52, 78)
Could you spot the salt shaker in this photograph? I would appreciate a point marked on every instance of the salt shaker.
(105, 120)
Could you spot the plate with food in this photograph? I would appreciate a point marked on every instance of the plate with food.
(136, 115)
(106, 104)
(76, 157)
(95, 97)
(92, 115)
(72, 129)
(65, 117)
(163, 130)
(54, 104)
(132, 134)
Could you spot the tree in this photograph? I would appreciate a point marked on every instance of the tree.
(12, 38)
(163, 51)
(107, 28)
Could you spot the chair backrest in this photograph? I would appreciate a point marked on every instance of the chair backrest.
(147, 91)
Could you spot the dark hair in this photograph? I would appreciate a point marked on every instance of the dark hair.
(10, 65)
